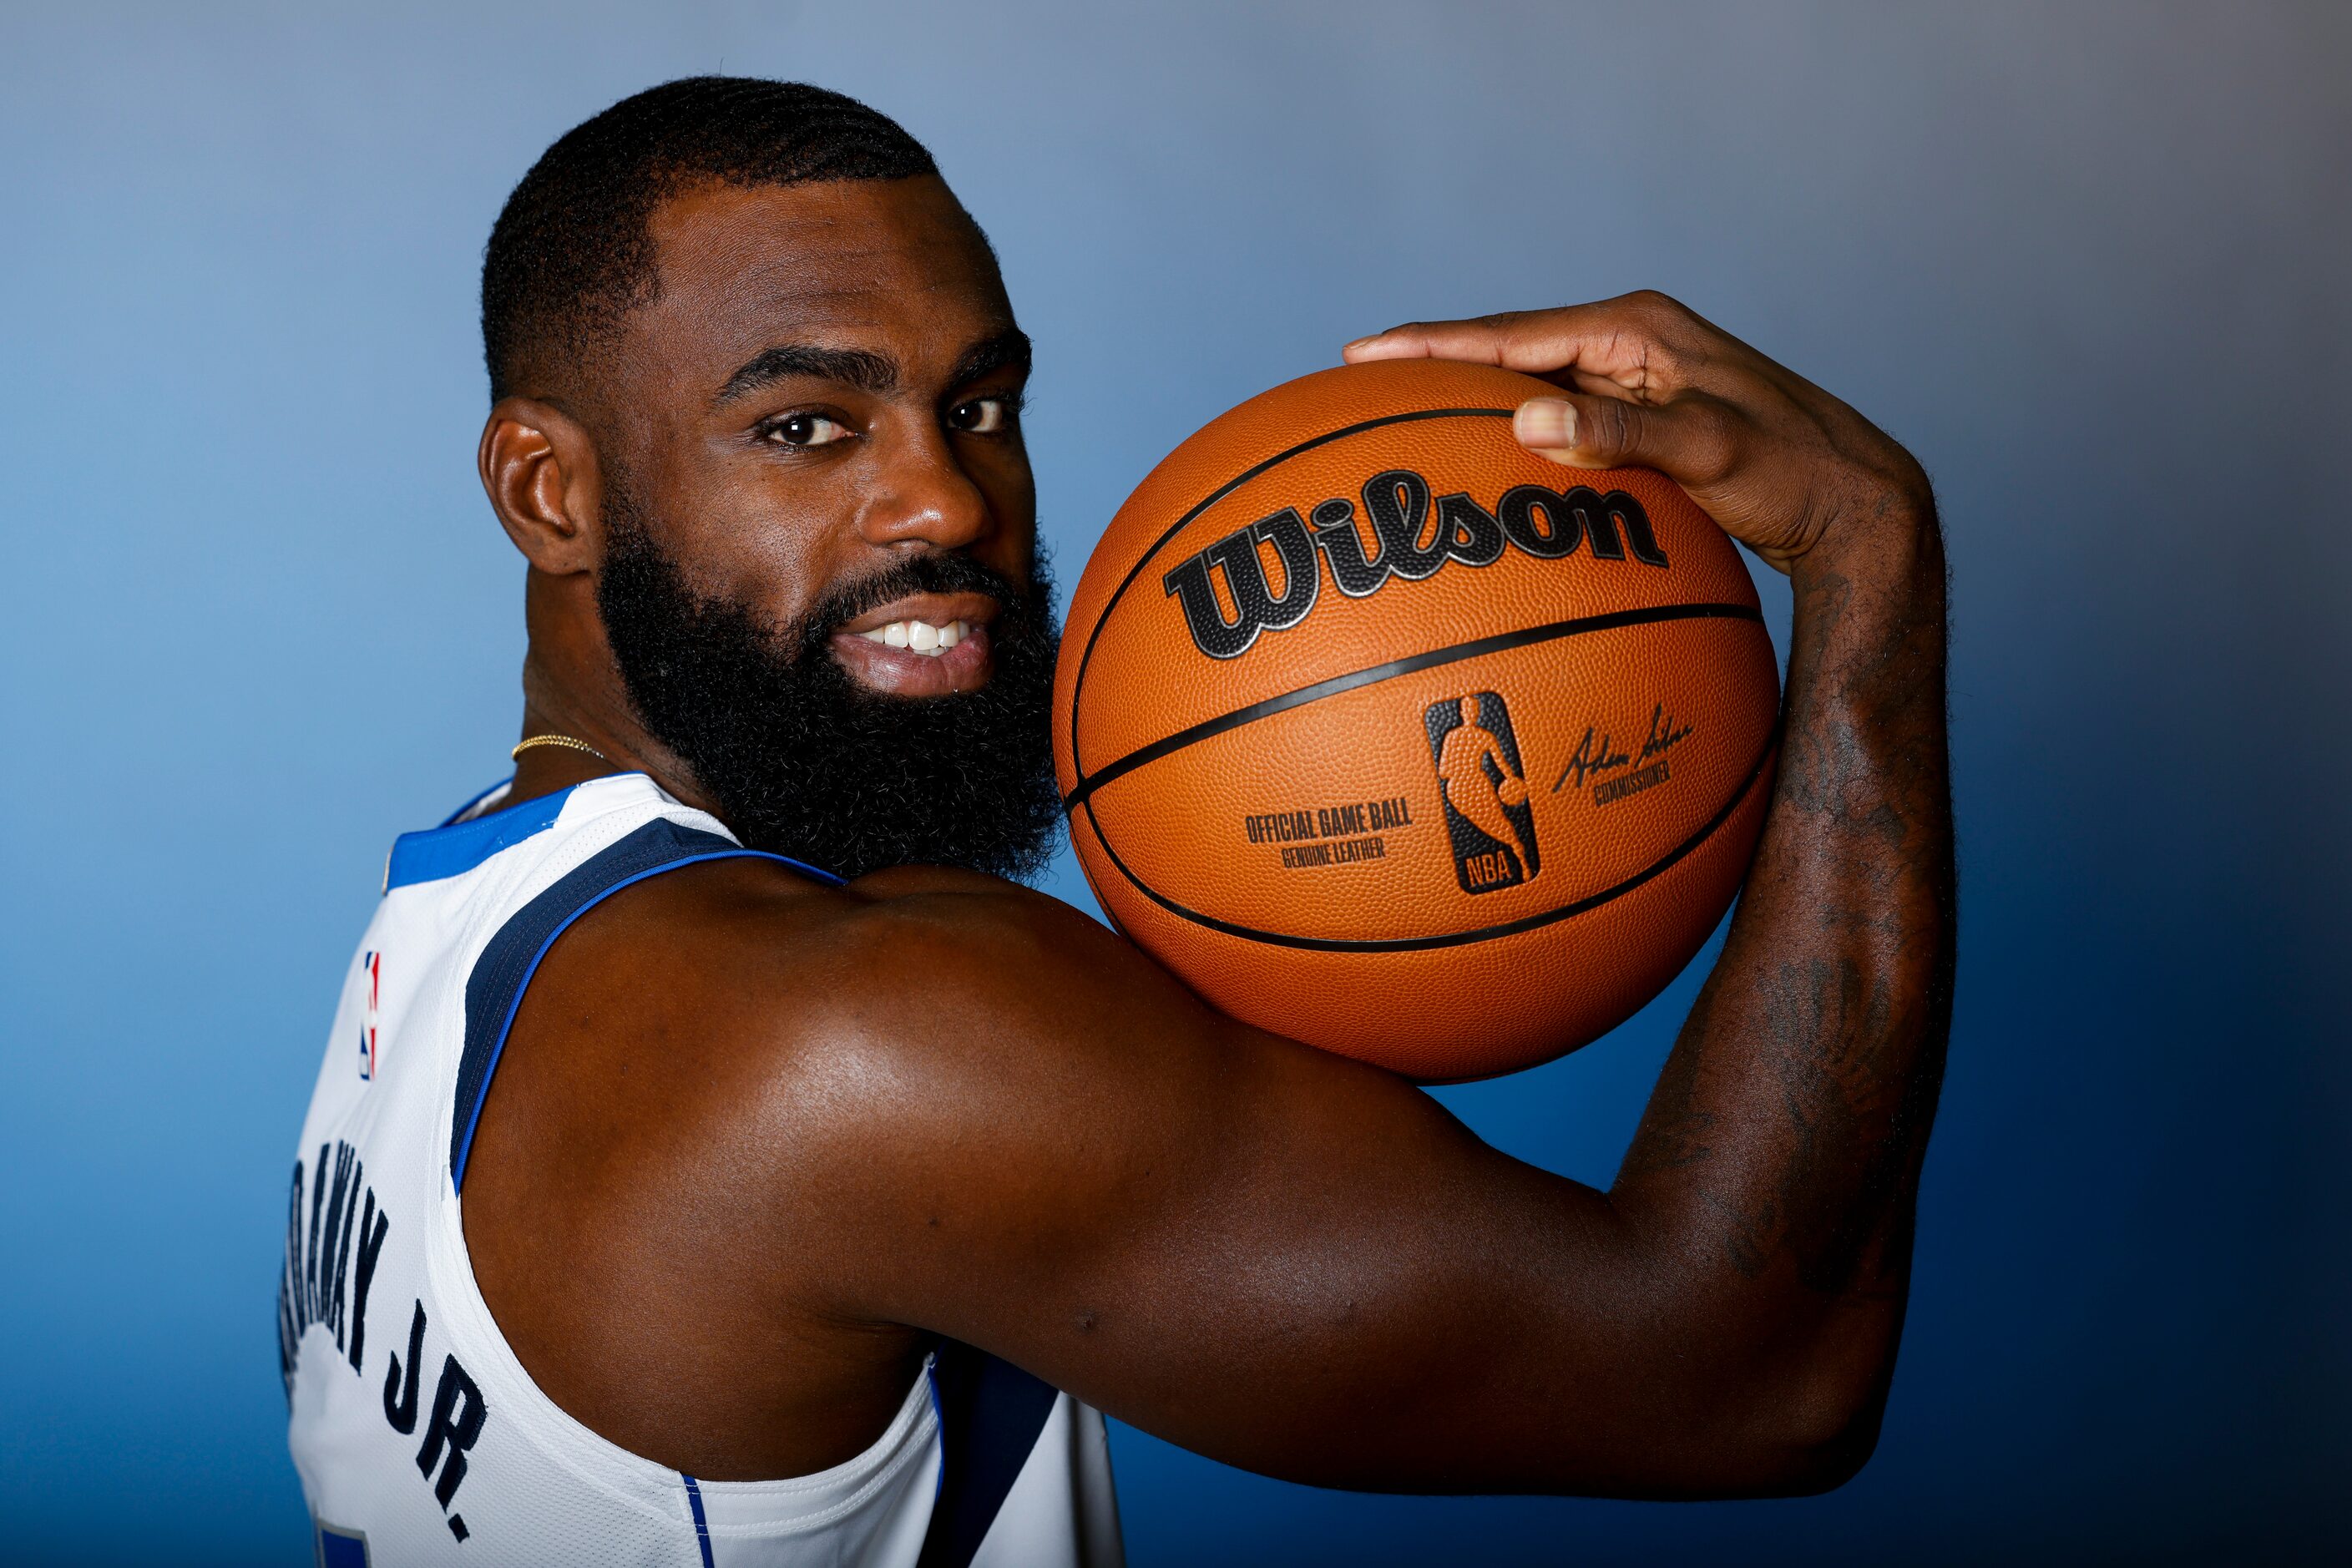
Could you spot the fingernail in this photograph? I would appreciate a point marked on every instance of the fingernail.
(1545, 422)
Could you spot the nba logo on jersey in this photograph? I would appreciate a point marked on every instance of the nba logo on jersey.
(372, 971)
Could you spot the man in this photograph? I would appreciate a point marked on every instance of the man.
(666, 1199)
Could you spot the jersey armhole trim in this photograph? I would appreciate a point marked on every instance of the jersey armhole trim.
(589, 891)
(991, 1415)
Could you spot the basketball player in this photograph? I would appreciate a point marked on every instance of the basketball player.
(718, 1161)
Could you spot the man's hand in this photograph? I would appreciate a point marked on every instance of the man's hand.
(1780, 464)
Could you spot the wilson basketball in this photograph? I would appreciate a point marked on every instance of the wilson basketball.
(1388, 735)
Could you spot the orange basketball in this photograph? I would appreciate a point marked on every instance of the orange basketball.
(1388, 735)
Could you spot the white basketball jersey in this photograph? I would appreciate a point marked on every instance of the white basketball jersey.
(419, 1436)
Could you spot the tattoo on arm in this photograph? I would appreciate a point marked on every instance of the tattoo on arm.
(1793, 1111)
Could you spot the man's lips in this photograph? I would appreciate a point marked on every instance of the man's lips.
(935, 610)
(925, 645)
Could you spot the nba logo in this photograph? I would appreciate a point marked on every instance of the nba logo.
(372, 968)
(1488, 820)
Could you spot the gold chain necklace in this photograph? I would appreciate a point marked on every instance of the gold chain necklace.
(566, 742)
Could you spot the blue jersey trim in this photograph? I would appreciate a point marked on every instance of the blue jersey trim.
(338, 1548)
(701, 1525)
(940, 1481)
(991, 1416)
(456, 848)
(494, 991)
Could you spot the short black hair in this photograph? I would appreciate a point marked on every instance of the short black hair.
(572, 250)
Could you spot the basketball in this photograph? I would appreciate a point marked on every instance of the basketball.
(1386, 735)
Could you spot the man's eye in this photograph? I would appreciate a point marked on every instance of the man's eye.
(982, 415)
(807, 430)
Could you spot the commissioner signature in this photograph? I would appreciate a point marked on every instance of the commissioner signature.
(1590, 759)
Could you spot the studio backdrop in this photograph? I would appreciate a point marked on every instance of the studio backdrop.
(2088, 261)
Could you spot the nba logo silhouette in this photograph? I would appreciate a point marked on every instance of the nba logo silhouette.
(1488, 818)
(372, 971)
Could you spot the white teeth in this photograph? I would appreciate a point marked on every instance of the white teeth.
(919, 636)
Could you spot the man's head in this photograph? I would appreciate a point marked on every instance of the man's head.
(756, 427)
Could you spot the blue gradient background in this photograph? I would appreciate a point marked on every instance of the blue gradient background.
(2088, 261)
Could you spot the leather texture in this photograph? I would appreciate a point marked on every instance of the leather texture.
(1278, 825)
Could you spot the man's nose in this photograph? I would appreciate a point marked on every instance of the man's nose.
(924, 497)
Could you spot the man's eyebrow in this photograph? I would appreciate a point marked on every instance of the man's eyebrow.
(1009, 347)
(860, 368)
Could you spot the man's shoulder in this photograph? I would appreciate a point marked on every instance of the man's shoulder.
(847, 1064)
(745, 986)
(759, 932)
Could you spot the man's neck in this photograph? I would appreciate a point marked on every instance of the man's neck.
(553, 706)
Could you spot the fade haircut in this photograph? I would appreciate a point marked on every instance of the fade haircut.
(572, 250)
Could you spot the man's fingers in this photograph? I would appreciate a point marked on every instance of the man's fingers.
(1637, 341)
(1428, 339)
(1692, 440)
(1632, 369)
(1536, 342)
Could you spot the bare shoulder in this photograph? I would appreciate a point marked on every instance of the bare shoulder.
(927, 1005)
(724, 1110)
(942, 963)
(802, 1036)
(890, 1092)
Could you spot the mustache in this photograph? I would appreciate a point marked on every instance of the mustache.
(937, 573)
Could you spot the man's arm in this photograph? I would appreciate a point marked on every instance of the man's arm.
(1790, 1123)
(986, 1116)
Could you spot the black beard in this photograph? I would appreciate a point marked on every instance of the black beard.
(802, 759)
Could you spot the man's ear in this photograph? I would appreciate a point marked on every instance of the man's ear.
(538, 468)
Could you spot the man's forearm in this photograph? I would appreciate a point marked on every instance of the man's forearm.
(1775, 1172)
